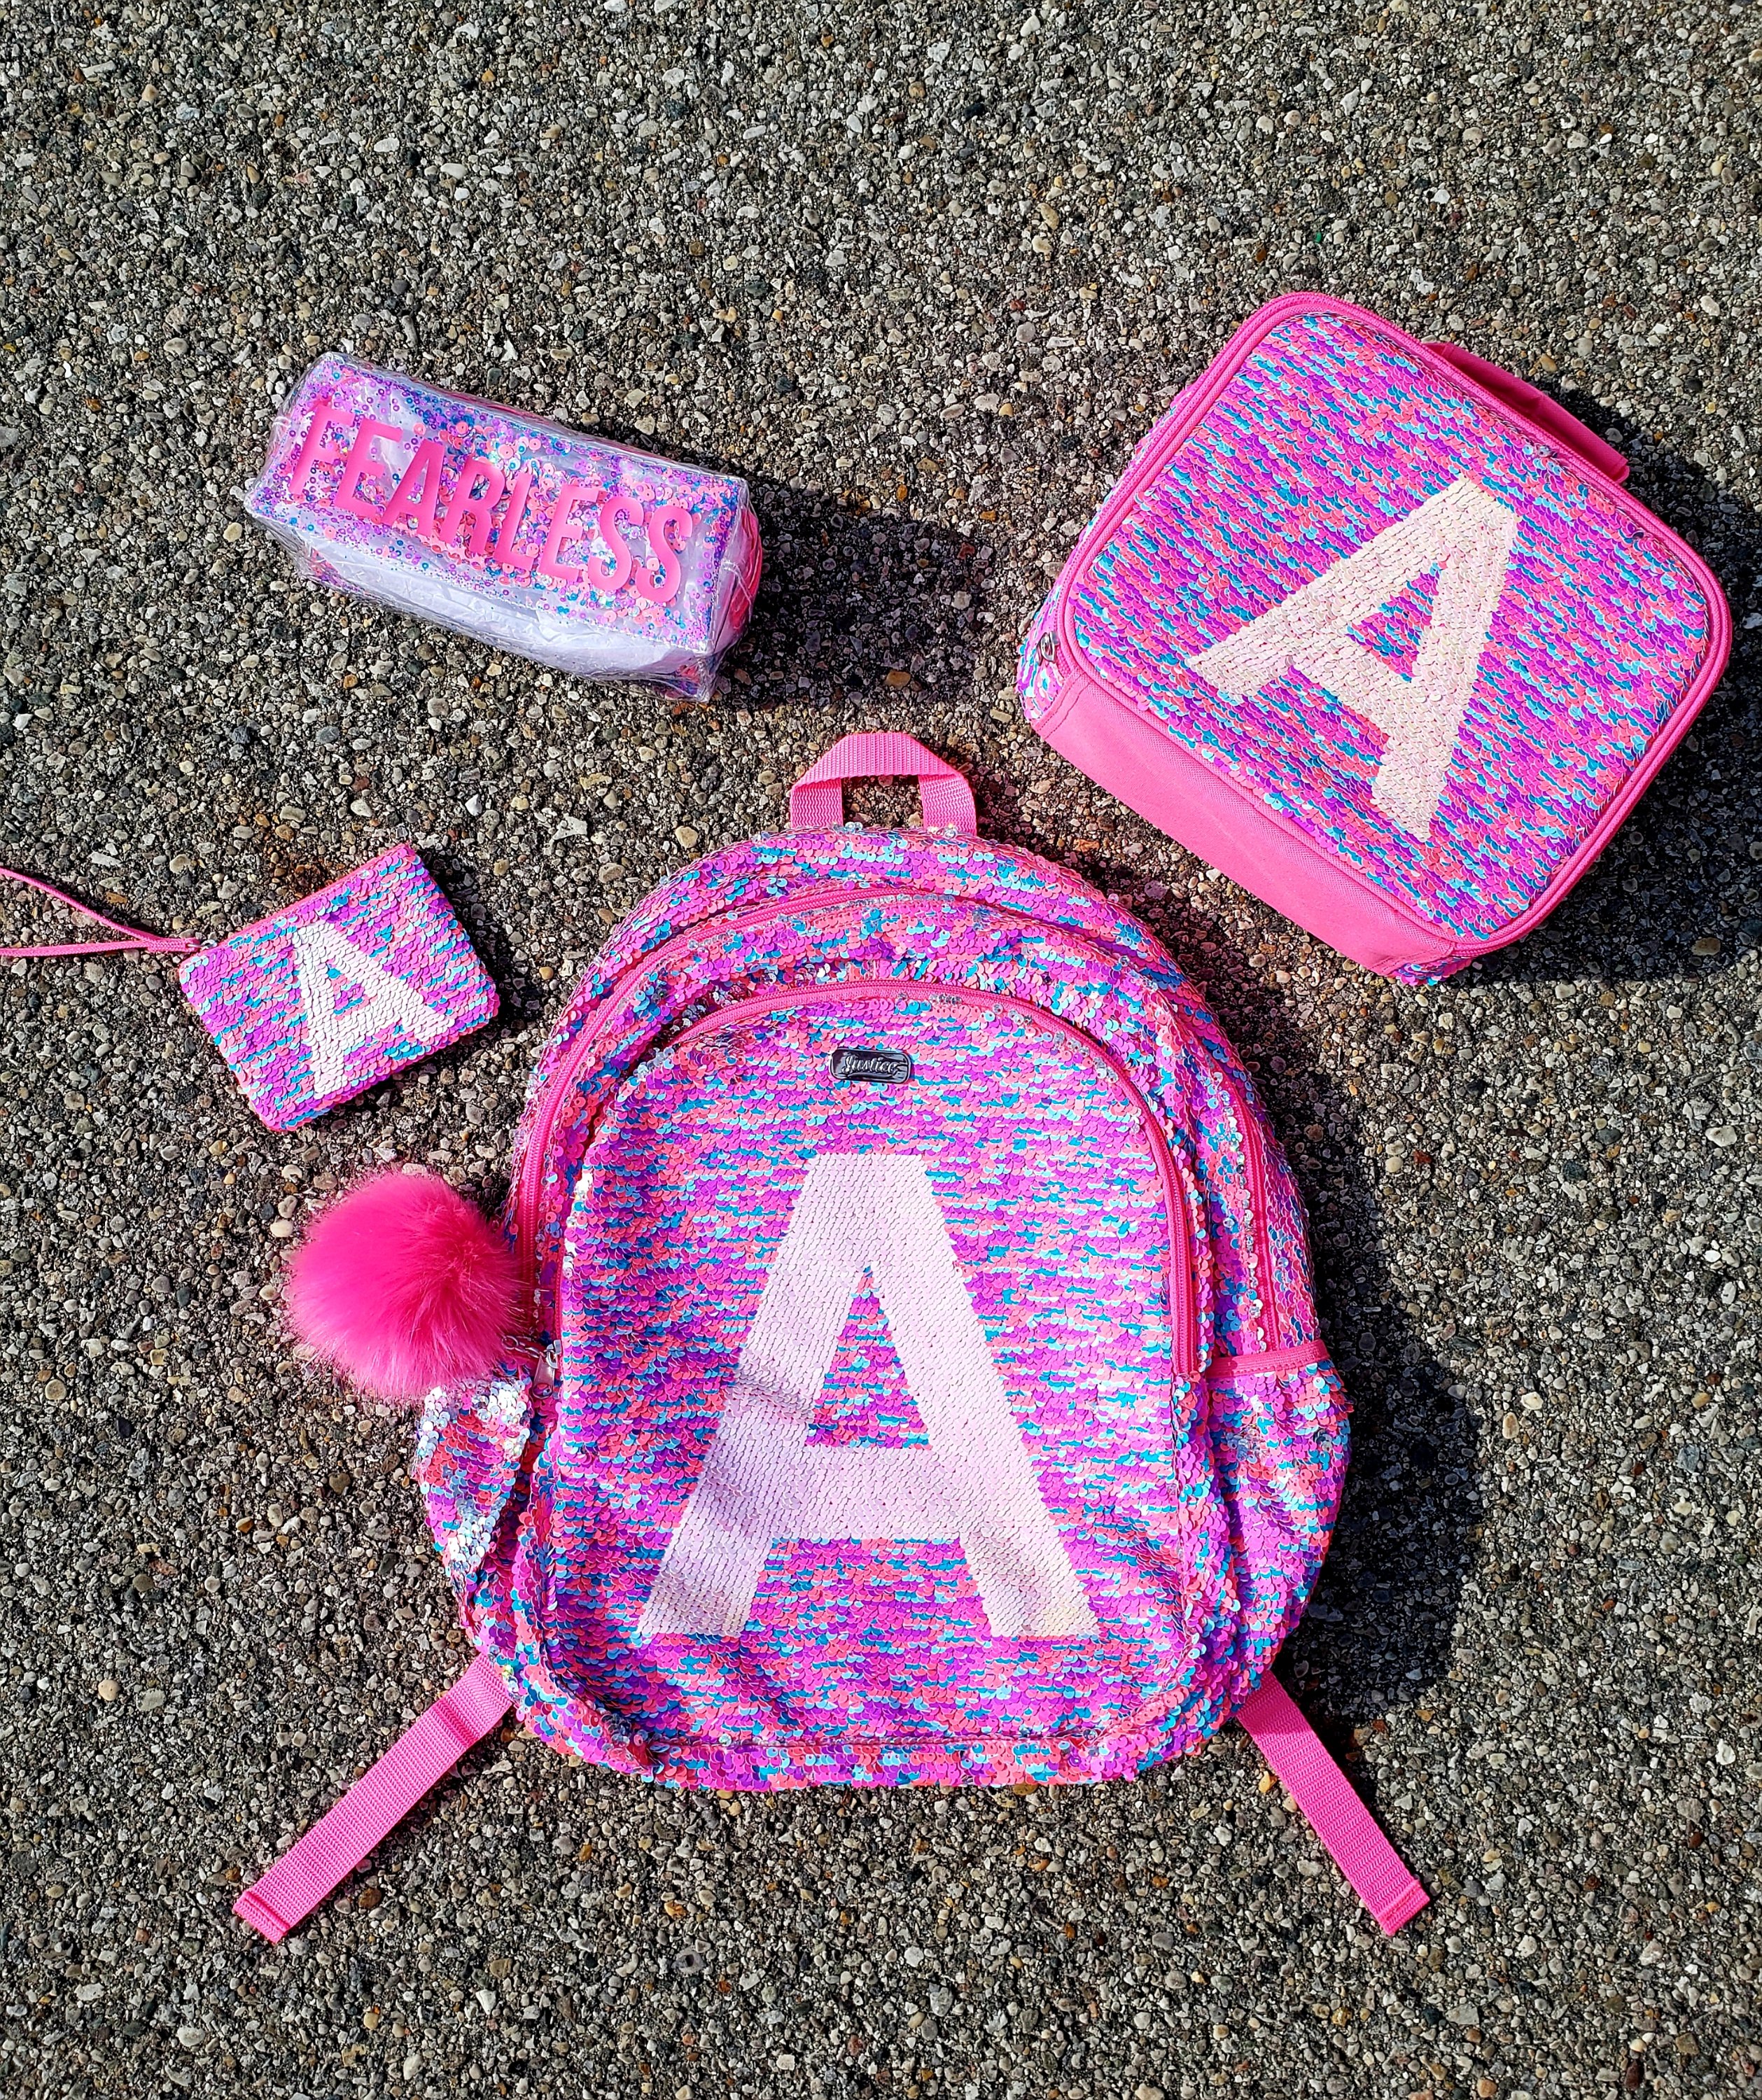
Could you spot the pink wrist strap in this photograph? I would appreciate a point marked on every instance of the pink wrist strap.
(1322, 1790)
(133, 939)
(376, 1803)
(816, 801)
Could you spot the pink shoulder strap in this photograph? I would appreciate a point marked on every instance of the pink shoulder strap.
(133, 940)
(1322, 1790)
(376, 1803)
(427, 1751)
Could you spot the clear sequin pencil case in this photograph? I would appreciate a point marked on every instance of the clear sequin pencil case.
(579, 553)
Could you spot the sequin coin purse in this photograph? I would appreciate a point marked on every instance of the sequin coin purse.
(315, 1005)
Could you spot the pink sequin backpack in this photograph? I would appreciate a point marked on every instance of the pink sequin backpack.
(1376, 629)
(925, 1384)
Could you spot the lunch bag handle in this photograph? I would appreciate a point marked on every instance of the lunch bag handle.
(1535, 407)
(816, 801)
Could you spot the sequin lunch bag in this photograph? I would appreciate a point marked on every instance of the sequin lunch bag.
(924, 1384)
(1376, 629)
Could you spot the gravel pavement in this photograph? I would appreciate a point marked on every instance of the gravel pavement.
(924, 278)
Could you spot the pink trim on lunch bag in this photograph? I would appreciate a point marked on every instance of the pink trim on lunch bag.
(376, 1803)
(1106, 738)
(816, 801)
(1322, 1790)
(1534, 407)
(135, 941)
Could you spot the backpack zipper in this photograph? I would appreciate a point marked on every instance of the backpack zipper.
(1182, 1315)
(532, 1164)
(1254, 1155)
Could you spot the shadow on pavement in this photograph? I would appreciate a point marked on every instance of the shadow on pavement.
(1381, 1626)
(854, 603)
(858, 605)
(1680, 870)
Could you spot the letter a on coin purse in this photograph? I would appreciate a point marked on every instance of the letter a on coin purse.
(922, 1382)
(319, 1002)
(1373, 627)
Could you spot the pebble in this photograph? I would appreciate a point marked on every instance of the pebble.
(108, 1689)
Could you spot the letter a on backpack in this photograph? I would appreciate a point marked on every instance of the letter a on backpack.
(870, 1214)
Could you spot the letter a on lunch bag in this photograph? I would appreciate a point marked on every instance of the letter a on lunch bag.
(919, 1380)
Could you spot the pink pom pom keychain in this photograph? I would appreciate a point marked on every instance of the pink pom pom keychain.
(405, 1286)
